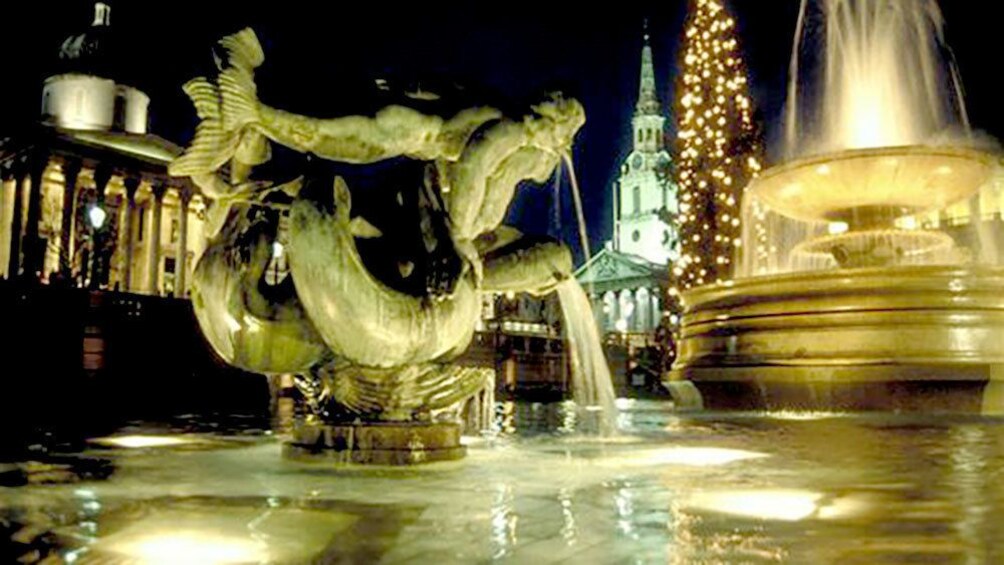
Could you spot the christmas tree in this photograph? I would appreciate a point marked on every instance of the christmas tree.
(717, 145)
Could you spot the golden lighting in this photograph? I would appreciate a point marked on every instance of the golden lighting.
(714, 109)
(688, 456)
(190, 547)
(835, 228)
(787, 505)
(139, 441)
(807, 415)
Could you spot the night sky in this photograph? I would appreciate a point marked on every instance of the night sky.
(322, 59)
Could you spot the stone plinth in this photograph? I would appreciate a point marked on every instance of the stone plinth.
(376, 443)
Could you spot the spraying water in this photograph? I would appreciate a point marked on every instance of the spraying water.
(577, 198)
(592, 385)
(885, 77)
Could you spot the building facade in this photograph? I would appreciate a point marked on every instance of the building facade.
(86, 199)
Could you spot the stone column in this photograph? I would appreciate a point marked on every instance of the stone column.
(129, 227)
(6, 215)
(625, 300)
(71, 170)
(34, 250)
(181, 261)
(14, 262)
(157, 214)
(656, 312)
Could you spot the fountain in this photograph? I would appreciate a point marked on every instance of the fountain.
(384, 280)
(856, 289)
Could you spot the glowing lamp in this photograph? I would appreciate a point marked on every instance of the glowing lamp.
(96, 215)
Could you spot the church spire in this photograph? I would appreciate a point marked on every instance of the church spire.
(648, 102)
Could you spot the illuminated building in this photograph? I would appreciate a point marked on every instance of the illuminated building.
(86, 197)
(627, 278)
(645, 200)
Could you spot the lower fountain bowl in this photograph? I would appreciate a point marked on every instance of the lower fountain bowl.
(904, 338)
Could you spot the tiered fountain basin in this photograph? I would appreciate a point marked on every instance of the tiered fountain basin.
(869, 187)
(876, 331)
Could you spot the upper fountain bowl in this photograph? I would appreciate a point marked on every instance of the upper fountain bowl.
(872, 187)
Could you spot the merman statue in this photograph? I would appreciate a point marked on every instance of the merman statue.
(367, 344)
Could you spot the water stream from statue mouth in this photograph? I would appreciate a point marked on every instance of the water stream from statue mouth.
(577, 198)
(592, 384)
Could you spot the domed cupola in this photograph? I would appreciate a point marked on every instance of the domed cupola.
(83, 95)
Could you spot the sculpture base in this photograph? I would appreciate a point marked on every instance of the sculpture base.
(893, 388)
(376, 443)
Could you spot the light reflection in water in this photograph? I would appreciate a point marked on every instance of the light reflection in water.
(569, 417)
(788, 505)
(504, 521)
(569, 531)
(689, 456)
(171, 547)
(800, 415)
(507, 417)
(623, 499)
(140, 441)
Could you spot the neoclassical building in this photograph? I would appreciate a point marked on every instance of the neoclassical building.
(86, 198)
(628, 278)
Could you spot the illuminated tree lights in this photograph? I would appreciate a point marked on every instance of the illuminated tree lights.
(718, 146)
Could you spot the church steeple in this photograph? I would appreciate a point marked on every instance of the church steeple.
(648, 120)
(648, 102)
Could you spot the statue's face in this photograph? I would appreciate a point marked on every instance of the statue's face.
(563, 118)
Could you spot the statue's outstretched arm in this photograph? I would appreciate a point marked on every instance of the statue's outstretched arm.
(392, 132)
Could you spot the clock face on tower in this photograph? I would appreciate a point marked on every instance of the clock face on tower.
(636, 162)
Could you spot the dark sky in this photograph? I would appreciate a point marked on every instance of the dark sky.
(322, 58)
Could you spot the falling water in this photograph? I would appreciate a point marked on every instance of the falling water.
(592, 385)
(577, 198)
(885, 77)
(479, 411)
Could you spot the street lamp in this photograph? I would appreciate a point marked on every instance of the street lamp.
(96, 215)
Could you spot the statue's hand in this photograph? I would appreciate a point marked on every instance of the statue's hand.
(556, 123)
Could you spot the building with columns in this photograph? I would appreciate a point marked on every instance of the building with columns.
(628, 278)
(86, 200)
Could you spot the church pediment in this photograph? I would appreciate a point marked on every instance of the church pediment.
(610, 266)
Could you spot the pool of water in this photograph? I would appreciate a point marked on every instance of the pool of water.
(671, 487)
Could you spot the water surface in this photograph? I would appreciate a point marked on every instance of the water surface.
(709, 488)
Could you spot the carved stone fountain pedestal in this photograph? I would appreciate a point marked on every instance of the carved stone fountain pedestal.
(376, 443)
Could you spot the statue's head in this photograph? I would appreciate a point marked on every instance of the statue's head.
(563, 118)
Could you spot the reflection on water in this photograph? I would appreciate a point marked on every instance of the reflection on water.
(672, 488)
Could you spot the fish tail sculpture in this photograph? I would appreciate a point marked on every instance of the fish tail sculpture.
(268, 334)
(388, 328)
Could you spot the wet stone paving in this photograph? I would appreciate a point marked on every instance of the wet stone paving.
(670, 487)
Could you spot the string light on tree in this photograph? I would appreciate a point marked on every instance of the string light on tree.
(718, 147)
